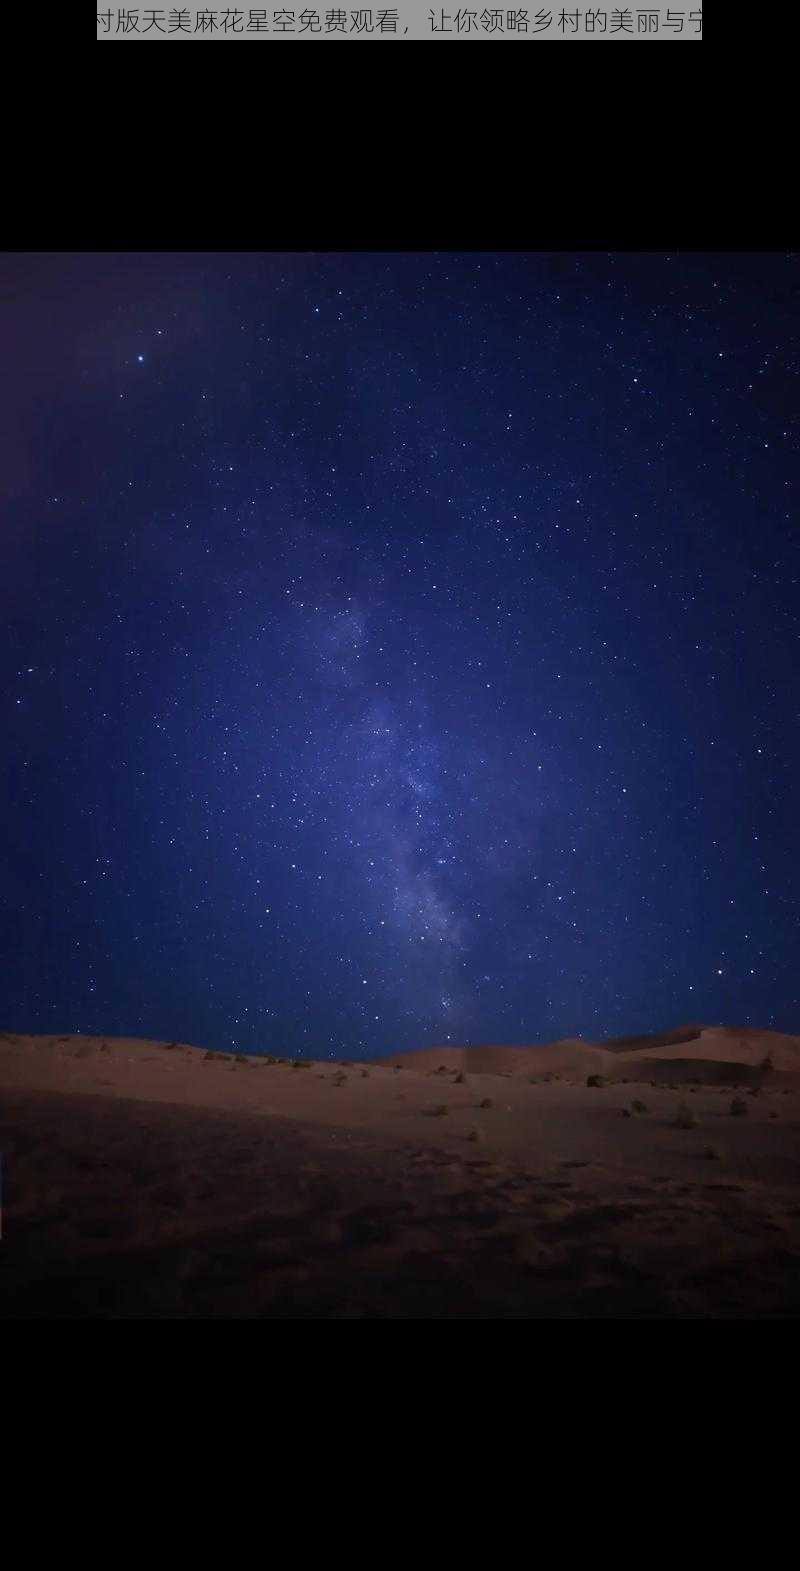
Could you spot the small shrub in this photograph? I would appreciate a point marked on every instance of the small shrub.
(738, 1107)
(301, 1063)
(711, 1154)
(487, 1102)
(475, 1134)
(365, 1074)
(684, 1117)
(596, 1080)
(460, 1078)
(440, 1110)
(638, 1107)
(626, 1112)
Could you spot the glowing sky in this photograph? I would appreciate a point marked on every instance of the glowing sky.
(399, 648)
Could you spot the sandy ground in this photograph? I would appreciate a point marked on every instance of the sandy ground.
(149, 1180)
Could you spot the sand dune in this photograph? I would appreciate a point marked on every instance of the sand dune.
(154, 1179)
(718, 1055)
(718, 1052)
(629, 1044)
(568, 1056)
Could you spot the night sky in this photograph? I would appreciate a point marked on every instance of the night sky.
(399, 648)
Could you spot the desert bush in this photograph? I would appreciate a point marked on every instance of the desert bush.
(475, 1134)
(711, 1154)
(638, 1107)
(684, 1117)
(596, 1080)
(487, 1102)
(738, 1107)
(439, 1110)
(626, 1112)
(460, 1078)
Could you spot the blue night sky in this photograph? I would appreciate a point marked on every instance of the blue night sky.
(399, 648)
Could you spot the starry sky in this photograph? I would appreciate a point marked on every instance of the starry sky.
(399, 648)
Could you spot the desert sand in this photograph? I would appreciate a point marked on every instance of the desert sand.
(148, 1179)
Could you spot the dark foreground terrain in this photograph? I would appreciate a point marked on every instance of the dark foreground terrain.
(119, 1209)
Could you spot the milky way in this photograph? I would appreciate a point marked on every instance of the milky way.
(399, 649)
